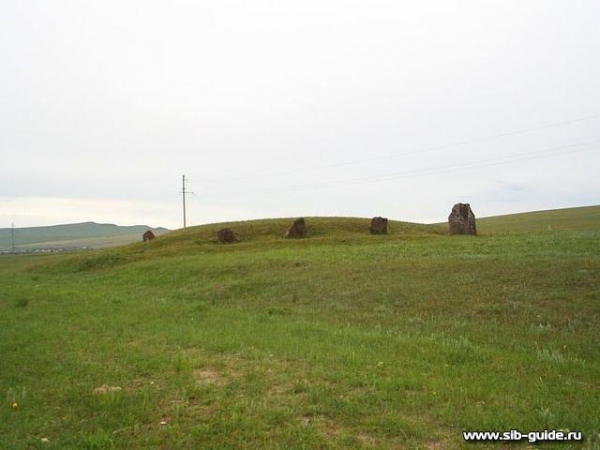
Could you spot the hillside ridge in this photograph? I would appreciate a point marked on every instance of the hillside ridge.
(563, 219)
(73, 236)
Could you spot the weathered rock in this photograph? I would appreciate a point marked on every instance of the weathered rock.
(225, 235)
(148, 236)
(462, 220)
(379, 225)
(297, 230)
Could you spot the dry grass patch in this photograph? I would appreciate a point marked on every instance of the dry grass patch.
(332, 430)
(106, 389)
(207, 376)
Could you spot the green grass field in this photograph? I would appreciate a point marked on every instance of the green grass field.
(342, 340)
(577, 219)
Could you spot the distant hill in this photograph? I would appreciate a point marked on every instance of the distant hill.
(581, 219)
(73, 236)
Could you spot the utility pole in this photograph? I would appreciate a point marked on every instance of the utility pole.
(12, 233)
(183, 192)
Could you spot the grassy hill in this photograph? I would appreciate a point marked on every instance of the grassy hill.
(77, 235)
(342, 340)
(582, 218)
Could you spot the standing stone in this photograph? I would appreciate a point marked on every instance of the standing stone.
(297, 230)
(462, 220)
(225, 235)
(148, 236)
(379, 225)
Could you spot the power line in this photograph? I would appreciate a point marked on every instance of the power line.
(411, 152)
(539, 154)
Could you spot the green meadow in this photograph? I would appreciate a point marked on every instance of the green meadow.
(341, 340)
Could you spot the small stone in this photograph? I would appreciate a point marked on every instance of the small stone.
(148, 236)
(305, 421)
(297, 230)
(378, 225)
(225, 235)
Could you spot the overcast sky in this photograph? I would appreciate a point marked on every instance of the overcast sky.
(277, 109)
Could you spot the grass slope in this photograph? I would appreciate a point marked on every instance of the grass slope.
(582, 218)
(341, 340)
(87, 234)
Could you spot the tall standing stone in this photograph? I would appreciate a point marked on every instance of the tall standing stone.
(462, 220)
(297, 230)
(378, 225)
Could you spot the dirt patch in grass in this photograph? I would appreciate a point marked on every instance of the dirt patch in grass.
(438, 445)
(326, 426)
(366, 439)
(106, 389)
(279, 389)
(206, 375)
(332, 430)
(140, 383)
